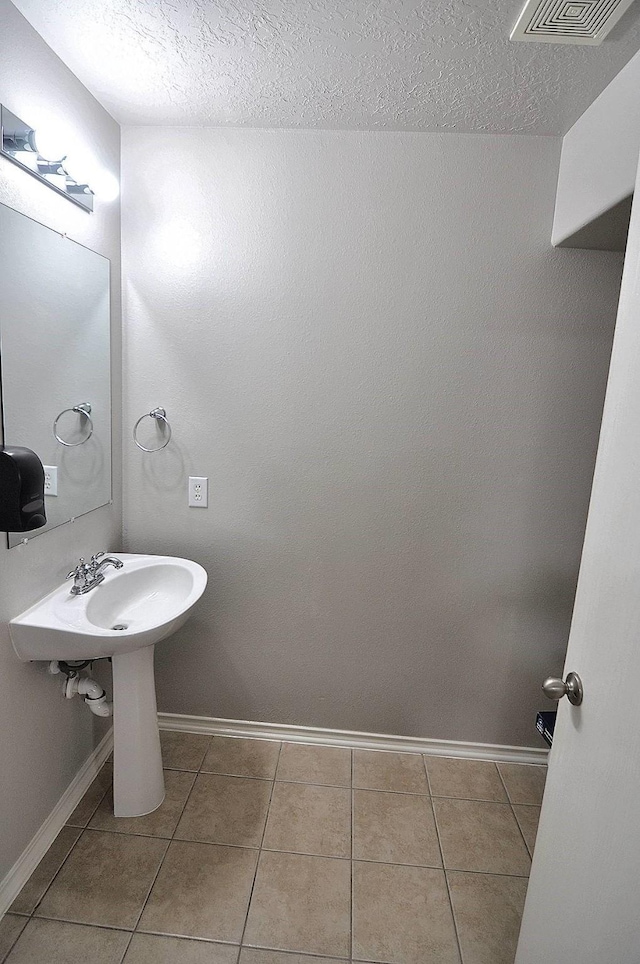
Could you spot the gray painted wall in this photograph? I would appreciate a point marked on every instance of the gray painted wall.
(394, 383)
(43, 738)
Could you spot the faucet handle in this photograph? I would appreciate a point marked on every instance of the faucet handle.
(79, 568)
(96, 556)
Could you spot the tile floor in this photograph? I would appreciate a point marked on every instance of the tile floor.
(269, 853)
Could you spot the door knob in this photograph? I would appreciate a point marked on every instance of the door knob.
(555, 689)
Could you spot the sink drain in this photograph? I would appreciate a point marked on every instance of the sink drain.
(120, 626)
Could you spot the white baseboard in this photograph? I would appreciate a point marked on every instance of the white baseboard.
(351, 738)
(35, 850)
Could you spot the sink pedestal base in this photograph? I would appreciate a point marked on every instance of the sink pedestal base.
(138, 780)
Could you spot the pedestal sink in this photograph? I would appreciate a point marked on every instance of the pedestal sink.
(124, 617)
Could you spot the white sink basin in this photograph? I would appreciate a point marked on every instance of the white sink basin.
(150, 597)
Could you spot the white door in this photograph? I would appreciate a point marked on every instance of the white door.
(583, 903)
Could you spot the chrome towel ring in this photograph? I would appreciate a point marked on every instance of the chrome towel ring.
(161, 416)
(84, 410)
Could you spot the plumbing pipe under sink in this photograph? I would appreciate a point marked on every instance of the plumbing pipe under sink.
(94, 695)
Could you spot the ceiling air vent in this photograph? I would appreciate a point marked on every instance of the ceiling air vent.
(568, 21)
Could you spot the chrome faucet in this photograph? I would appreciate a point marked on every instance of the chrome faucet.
(87, 576)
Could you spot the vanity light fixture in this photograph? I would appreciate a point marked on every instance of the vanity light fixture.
(20, 145)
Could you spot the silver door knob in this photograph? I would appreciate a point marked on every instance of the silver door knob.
(555, 688)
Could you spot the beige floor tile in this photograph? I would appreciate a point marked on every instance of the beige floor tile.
(226, 810)
(183, 751)
(162, 822)
(525, 784)
(465, 779)
(151, 949)
(402, 915)
(104, 880)
(488, 911)
(528, 818)
(300, 904)
(27, 899)
(308, 819)
(251, 955)
(395, 828)
(242, 758)
(374, 770)
(480, 836)
(325, 765)
(89, 803)
(56, 942)
(10, 929)
(202, 891)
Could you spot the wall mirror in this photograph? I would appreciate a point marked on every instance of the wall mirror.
(55, 366)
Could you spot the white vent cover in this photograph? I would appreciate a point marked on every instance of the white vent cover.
(568, 21)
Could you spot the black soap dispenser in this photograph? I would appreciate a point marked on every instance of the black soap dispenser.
(21, 490)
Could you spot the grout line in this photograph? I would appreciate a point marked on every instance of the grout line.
(213, 843)
(486, 873)
(402, 793)
(164, 856)
(83, 830)
(446, 879)
(187, 937)
(18, 936)
(526, 845)
(310, 783)
(302, 853)
(205, 754)
(150, 888)
(506, 789)
(394, 863)
(84, 923)
(448, 796)
(304, 954)
(126, 950)
(182, 937)
(529, 850)
(230, 776)
(260, 851)
(312, 956)
(181, 769)
(84, 826)
(360, 860)
(31, 913)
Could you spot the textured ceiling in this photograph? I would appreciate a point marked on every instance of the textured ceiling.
(414, 65)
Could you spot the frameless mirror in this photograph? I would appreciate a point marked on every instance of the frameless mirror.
(55, 363)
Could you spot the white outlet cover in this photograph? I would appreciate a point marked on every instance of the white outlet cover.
(50, 479)
(198, 492)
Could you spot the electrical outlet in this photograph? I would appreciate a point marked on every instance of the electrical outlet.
(50, 479)
(198, 492)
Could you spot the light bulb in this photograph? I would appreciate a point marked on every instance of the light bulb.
(49, 144)
(105, 185)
